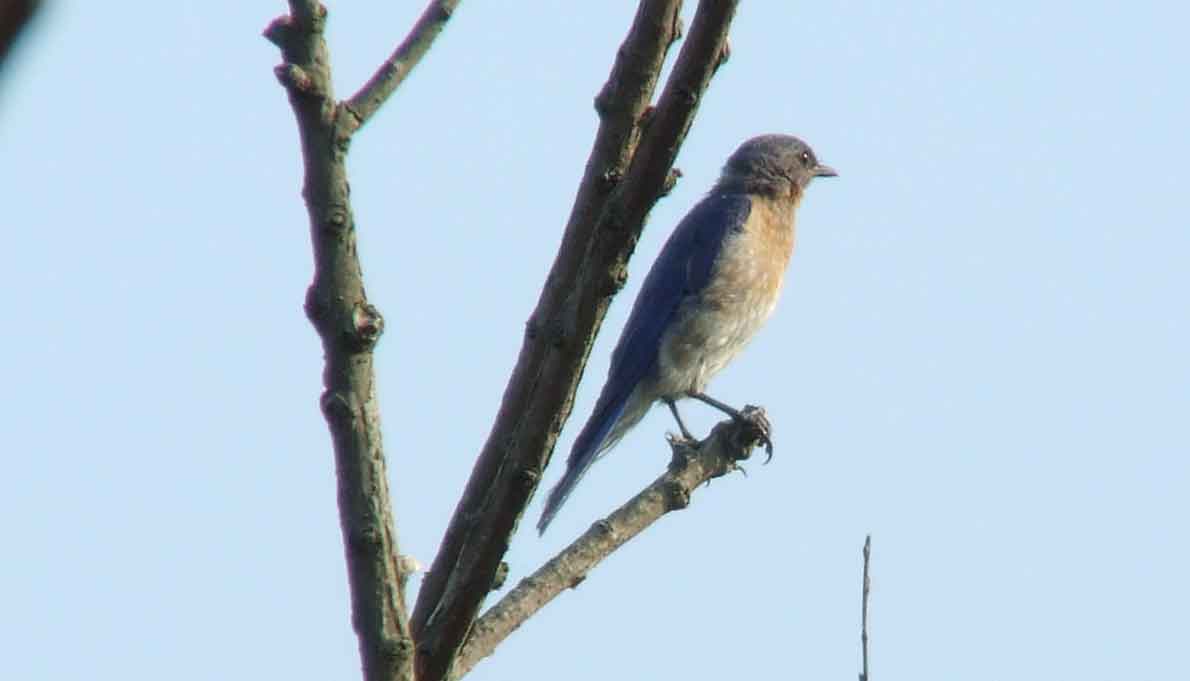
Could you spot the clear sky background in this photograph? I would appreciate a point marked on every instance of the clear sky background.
(980, 356)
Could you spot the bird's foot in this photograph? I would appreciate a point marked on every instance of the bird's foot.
(683, 449)
(686, 434)
(760, 428)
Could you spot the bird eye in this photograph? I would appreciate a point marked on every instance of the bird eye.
(806, 159)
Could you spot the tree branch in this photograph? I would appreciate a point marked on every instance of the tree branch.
(349, 327)
(363, 104)
(692, 464)
(590, 267)
(548, 367)
(865, 599)
(14, 18)
(704, 51)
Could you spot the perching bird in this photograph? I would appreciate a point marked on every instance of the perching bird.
(713, 285)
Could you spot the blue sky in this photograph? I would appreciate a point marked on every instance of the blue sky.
(980, 356)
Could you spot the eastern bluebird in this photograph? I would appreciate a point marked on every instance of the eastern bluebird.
(713, 285)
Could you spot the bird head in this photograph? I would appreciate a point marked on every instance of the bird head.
(773, 165)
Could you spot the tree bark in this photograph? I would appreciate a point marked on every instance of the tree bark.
(692, 465)
(348, 325)
(628, 170)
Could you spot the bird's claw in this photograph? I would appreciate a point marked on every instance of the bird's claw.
(762, 428)
(681, 439)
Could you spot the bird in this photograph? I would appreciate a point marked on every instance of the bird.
(713, 285)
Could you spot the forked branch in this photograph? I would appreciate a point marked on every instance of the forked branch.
(692, 464)
(623, 179)
(349, 326)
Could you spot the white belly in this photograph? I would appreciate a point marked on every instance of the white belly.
(712, 327)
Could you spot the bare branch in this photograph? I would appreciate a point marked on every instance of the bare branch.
(865, 599)
(548, 367)
(14, 19)
(604, 227)
(349, 327)
(691, 465)
(307, 12)
(392, 72)
(704, 51)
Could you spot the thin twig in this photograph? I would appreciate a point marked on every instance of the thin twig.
(692, 465)
(610, 209)
(368, 100)
(867, 590)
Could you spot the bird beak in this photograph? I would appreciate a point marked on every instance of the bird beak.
(822, 170)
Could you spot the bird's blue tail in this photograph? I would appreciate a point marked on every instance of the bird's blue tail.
(592, 441)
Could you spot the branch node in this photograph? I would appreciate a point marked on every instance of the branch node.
(342, 135)
(393, 650)
(368, 325)
(646, 118)
(407, 566)
(501, 576)
(679, 30)
(335, 407)
(677, 497)
(350, 109)
(528, 479)
(280, 31)
(337, 220)
(611, 178)
(604, 99)
(724, 55)
(682, 451)
(314, 306)
(619, 277)
(603, 527)
(314, 21)
(348, 119)
(295, 79)
(671, 181)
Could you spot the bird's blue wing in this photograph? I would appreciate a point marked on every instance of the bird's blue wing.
(683, 268)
